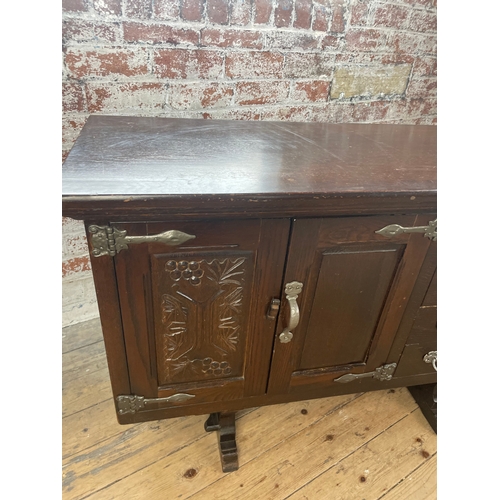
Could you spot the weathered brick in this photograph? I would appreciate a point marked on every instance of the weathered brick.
(338, 11)
(109, 32)
(247, 39)
(139, 9)
(125, 98)
(283, 13)
(218, 11)
(412, 43)
(72, 226)
(303, 14)
(75, 244)
(241, 12)
(423, 21)
(181, 63)
(322, 17)
(331, 42)
(390, 16)
(425, 66)
(71, 128)
(358, 58)
(263, 9)
(158, 33)
(289, 40)
(267, 92)
(359, 13)
(427, 3)
(364, 40)
(302, 113)
(397, 58)
(369, 112)
(232, 114)
(365, 81)
(254, 65)
(407, 110)
(74, 5)
(166, 9)
(75, 266)
(192, 10)
(429, 106)
(78, 30)
(312, 65)
(73, 100)
(107, 7)
(83, 63)
(426, 120)
(200, 95)
(310, 91)
(422, 87)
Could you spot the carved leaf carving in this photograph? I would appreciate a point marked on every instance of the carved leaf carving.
(201, 314)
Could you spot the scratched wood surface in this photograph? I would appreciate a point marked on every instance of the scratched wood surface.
(373, 445)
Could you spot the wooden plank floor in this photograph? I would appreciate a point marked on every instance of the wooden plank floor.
(362, 446)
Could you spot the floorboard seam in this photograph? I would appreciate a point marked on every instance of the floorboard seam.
(354, 451)
(406, 477)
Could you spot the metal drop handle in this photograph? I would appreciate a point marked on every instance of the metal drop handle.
(432, 357)
(292, 290)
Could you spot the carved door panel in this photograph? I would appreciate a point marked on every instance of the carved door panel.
(194, 314)
(356, 284)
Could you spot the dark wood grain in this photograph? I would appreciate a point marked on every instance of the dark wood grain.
(362, 385)
(225, 423)
(152, 165)
(424, 396)
(356, 285)
(185, 336)
(106, 288)
(418, 294)
(283, 202)
(430, 298)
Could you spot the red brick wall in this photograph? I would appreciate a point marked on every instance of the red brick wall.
(306, 60)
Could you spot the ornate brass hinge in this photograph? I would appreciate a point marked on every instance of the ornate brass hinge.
(107, 240)
(385, 372)
(133, 404)
(430, 231)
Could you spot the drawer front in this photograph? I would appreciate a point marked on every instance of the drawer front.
(422, 338)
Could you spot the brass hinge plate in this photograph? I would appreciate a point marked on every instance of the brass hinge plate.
(384, 372)
(132, 403)
(430, 231)
(108, 240)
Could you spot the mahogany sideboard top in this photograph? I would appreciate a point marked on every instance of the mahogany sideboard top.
(156, 167)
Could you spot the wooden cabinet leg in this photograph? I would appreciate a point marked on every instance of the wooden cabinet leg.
(226, 425)
(426, 397)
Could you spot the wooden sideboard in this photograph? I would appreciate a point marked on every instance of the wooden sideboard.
(240, 264)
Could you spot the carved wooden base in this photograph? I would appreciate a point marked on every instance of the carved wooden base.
(426, 397)
(225, 424)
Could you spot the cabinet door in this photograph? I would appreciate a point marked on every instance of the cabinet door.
(194, 315)
(356, 284)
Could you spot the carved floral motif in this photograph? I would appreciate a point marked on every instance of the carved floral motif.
(221, 292)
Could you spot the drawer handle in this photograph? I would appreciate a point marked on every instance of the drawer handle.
(292, 290)
(107, 240)
(132, 403)
(432, 357)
